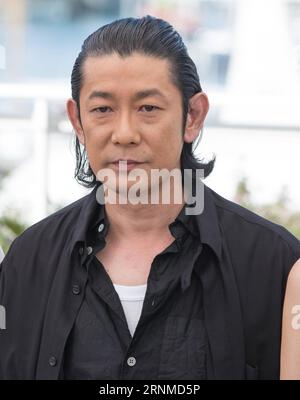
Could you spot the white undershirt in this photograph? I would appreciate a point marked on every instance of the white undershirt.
(132, 298)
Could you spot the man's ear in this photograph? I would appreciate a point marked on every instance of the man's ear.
(73, 115)
(198, 108)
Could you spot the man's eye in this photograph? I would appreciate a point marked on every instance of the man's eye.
(149, 108)
(101, 110)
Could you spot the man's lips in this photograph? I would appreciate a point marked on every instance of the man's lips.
(126, 164)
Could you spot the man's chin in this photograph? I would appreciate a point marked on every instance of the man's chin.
(127, 192)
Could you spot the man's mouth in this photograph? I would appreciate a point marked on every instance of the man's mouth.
(126, 164)
(128, 161)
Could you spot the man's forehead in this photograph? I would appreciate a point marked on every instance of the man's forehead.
(102, 79)
(133, 58)
(139, 68)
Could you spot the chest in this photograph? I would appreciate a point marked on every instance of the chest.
(170, 343)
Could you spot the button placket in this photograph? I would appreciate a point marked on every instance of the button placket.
(60, 319)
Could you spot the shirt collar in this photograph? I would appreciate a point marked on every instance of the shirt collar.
(208, 223)
(90, 212)
(204, 225)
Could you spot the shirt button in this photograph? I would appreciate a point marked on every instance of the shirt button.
(153, 302)
(52, 361)
(76, 289)
(131, 361)
(101, 227)
(89, 250)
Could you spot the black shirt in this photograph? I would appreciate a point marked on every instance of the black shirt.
(169, 340)
(238, 279)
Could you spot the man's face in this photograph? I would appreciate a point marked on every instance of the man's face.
(130, 109)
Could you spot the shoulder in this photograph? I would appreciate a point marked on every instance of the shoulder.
(57, 223)
(238, 223)
(34, 256)
(43, 239)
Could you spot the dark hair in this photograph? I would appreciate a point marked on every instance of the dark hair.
(150, 36)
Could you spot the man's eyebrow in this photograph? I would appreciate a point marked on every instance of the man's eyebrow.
(147, 93)
(99, 93)
(138, 95)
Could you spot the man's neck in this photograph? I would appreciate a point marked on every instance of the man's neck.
(141, 220)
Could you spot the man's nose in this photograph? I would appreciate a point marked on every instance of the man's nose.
(125, 132)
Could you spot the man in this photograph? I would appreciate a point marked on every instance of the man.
(126, 290)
